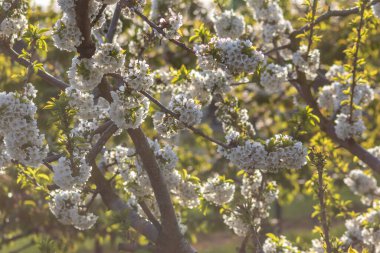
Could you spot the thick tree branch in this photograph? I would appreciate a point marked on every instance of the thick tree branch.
(170, 237)
(110, 198)
(150, 215)
(87, 48)
(328, 127)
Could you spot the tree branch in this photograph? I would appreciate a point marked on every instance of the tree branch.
(87, 48)
(329, 14)
(5, 49)
(150, 215)
(161, 31)
(115, 18)
(328, 127)
(170, 237)
(110, 198)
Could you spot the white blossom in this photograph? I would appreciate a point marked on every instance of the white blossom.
(218, 191)
(346, 128)
(279, 152)
(363, 185)
(376, 10)
(273, 77)
(188, 110)
(128, 108)
(65, 207)
(234, 55)
(309, 64)
(71, 173)
(109, 57)
(171, 24)
(138, 76)
(84, 74)
(23, 140)
(229, 25)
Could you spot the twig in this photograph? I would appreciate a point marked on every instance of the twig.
(5, 49)
(161, 31)
(312, 24)
(329, 14)
(356, 58)
(319, 161)
(275, 49)
(99, 15)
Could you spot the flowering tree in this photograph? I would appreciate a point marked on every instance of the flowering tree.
(172, 109)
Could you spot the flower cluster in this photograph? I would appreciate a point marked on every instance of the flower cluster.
(18, 130)
(138, 76)
(109, 57)
(233, 55)
(273, 77)
(171, 24)
(331, 97)
(307, 62)
(376, 9)
(188, 110)
(71, 173)
(85, 105)
(137, 5)
(14, 23)
(205, 84)
(336, 99)
(252, 205)
(274, 25)
(346, 128)
(84, 74)
(5, 160)
(136, 179)
(233, 117)
(229, 25)
(65, 205)
(335, 72)
(278, 153)
(188, 193)
(189, 113)
(363, 230)
(67, 35)
(363, 185)
(279, 245)
(218, 190)
(128, 108)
